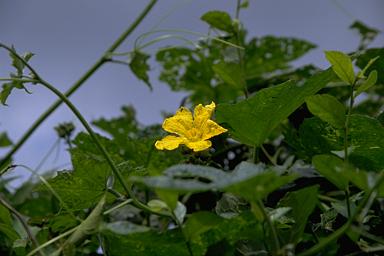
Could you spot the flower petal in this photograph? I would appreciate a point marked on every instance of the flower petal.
(199, 145)
(169, 142)
(180, 123)
(211, 129)
(202, 114)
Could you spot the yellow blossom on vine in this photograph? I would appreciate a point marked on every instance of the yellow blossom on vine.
(192, 131)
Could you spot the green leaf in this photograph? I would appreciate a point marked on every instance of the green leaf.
(141, 242)
(364, 180)
(327, 108)
(318, 137)
(244, 4)
(86, 184)
(341, 65)
(204, 229)
(140, 67)
(268, 54)
(367, 34)
(302, 204)
(90, 225)
(361, 73)
(170, 198)
(4, 140)
(5, 92)
(218, 19)
(265, 110)
(7, 89)
(179, 212)
(250, 181)
(332, 168)
(158, 205)
(9, 232)
(230, 73)
(364, 60)
(257, 186)
(367, 140)
(368, 83)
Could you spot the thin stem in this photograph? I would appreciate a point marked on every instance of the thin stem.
(117, 206)
(238, 50)
(180, 225)
(67, 233)
(107, 157)
(204, 36)
(45, 158)
(346, 134)
(87, 127)
(22, 221)
(276, 243)
(18, 80)
(255, 154)
(78, 83)
(115, 193)
(50, 188)
(270, 158)
(335, 235)
(238, 7)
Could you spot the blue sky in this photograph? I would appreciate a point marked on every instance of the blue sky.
(68, 37)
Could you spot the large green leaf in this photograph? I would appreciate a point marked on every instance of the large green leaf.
(327, 108)
(302, 204)
(367, 140)
(204, 229)
(133, 240)
(85, 185)
(268, 108)
(7, 232)
(268, 54)
(248, 180)
(230, 73)
(333, 168)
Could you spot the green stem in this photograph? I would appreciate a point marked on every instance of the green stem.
(255, 154)
(22, 221)
(18, 80)
(180, 225)
(346, 134)
(107, 157)
(335, 235)
(77, 84)
(276, 243)
(52, 241)
(64, 99)
(50, 188)
(238, 50)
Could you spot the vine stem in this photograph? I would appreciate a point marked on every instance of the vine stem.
(323, 243)
(276, 243)
(104, 152)
(346, 134)
(88, 128)
(22, 221)
(78, 83)
(238, 50)
(180, 225)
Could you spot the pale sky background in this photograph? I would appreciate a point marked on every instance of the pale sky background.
(69, 36)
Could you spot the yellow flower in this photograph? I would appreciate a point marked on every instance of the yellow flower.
(194, 132)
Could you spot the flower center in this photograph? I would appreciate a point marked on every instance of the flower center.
(194, 134)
